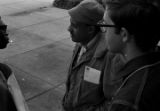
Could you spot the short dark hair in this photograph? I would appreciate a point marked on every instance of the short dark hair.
(141, 19)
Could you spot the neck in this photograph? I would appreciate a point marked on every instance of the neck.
(89, 40)
(132, 53)
(84, 44)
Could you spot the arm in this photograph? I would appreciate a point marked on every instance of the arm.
(113, 64)
(6, 100)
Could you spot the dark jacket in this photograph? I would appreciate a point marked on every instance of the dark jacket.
(81, 94)
(138, 85)
(6, 100)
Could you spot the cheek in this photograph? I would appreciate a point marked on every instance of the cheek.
(81, 34)
(109, 39)
(114, 42)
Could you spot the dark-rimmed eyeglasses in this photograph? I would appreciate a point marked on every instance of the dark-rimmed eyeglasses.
(103, 25)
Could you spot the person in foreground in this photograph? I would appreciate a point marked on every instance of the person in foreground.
(6, 100)
(132, 30)
(84, 86)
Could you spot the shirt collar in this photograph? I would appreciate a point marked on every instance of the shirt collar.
(138, 62)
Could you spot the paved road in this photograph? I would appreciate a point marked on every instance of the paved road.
(40, 52)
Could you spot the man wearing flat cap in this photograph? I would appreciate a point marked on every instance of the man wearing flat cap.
(84, 86)
(3, 35)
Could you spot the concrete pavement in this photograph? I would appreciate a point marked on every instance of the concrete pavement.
(40, 52)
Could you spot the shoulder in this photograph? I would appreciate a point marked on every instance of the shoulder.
(5, 69)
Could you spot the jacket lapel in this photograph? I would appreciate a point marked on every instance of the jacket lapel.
(75, 54)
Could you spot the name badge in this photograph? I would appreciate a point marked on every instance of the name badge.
(92, 75)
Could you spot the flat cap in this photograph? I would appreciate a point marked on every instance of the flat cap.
(88, 12)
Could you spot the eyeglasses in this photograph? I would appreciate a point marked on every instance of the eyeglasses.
(103, 25)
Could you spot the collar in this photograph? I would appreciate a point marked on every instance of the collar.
(138, 62)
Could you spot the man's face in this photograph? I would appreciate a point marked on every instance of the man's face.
(114, 40)
(79, 31)
(4, 40)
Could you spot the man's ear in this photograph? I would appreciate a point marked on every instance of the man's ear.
(124, 34)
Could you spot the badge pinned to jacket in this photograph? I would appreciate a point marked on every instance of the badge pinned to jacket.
(92, 75)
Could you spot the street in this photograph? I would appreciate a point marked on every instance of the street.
(41, 50)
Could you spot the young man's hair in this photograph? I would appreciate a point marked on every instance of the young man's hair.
(141, 19)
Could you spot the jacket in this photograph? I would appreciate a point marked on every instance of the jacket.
(6, 100)
(138, 86)
(81, 94)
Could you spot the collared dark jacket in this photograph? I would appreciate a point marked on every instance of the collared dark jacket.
(80, 94)
(138, 85)
(6, 100)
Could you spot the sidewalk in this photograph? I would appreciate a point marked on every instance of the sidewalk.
(40, 52)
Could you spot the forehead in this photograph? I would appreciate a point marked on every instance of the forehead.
(106, 17)
(2, 25)
(1, 22)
